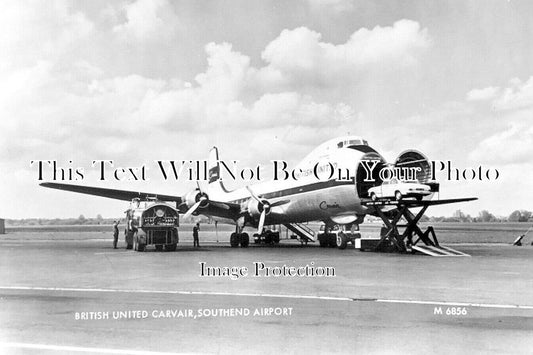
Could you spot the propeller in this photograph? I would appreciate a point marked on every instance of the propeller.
(265, 207)
(202, 200)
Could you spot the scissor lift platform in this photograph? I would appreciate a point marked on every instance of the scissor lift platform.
(394, 240)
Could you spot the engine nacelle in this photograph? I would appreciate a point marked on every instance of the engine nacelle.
(195, 196)
(255, 208)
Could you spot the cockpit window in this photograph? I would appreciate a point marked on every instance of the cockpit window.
(351, 143)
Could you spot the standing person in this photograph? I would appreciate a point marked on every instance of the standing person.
(195, 230)
(115, 234)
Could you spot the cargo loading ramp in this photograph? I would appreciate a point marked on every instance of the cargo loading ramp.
(391, 213)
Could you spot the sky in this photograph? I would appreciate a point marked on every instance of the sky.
(140, 81)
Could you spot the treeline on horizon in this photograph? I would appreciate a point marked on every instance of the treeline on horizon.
(483, 217)
(458, 216)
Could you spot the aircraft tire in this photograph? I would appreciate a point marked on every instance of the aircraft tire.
(257, 238)
(234, 240)
(332, 240)
(170, 247)
(268, 237)
(275, 237)
(245, 240)
(322, 240)
(342, 241)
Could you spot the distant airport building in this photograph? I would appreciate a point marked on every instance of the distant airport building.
(2, 226)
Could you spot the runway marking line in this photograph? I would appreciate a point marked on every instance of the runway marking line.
(79, 349)
(269, 295)
(113, 253)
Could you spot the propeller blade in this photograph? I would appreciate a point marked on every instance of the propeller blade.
(192, 209)
(261, 222)
(254, 195)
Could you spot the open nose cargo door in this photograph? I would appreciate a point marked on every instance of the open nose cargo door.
(413, 160)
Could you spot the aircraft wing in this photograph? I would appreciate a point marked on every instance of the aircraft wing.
(111, 193)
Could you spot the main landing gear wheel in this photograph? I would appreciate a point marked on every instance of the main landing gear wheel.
(332, 239)
(268, 237)
(234, 240)
(239, 238)
(245, 240)
(342, 241)
(275, 237)
(257, 238)
(398, 195)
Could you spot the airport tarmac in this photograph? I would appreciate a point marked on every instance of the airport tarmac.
(158, 302)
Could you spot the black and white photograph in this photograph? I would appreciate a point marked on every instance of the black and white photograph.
(266, 177)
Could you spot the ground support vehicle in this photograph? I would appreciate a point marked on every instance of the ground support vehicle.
(338, 236)
(151, 222)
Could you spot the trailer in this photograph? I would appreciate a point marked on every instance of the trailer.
(338, 235)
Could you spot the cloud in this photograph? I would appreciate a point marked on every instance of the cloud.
(147, 20)
(57, 104)
(484, 94)
(53, 111)
(300, 55)
(61, 102)
(518, 96)
(508, 135)
(32, 31)
(226, 74)
(512, 146)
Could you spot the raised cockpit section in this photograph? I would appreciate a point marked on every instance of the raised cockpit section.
(338, 143)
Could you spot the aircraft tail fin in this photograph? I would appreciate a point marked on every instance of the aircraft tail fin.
(216, 186)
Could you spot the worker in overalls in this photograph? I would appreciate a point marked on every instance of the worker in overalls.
(115, 234)
(195, 231)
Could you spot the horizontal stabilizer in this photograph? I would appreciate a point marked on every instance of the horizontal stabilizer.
(111, 193)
